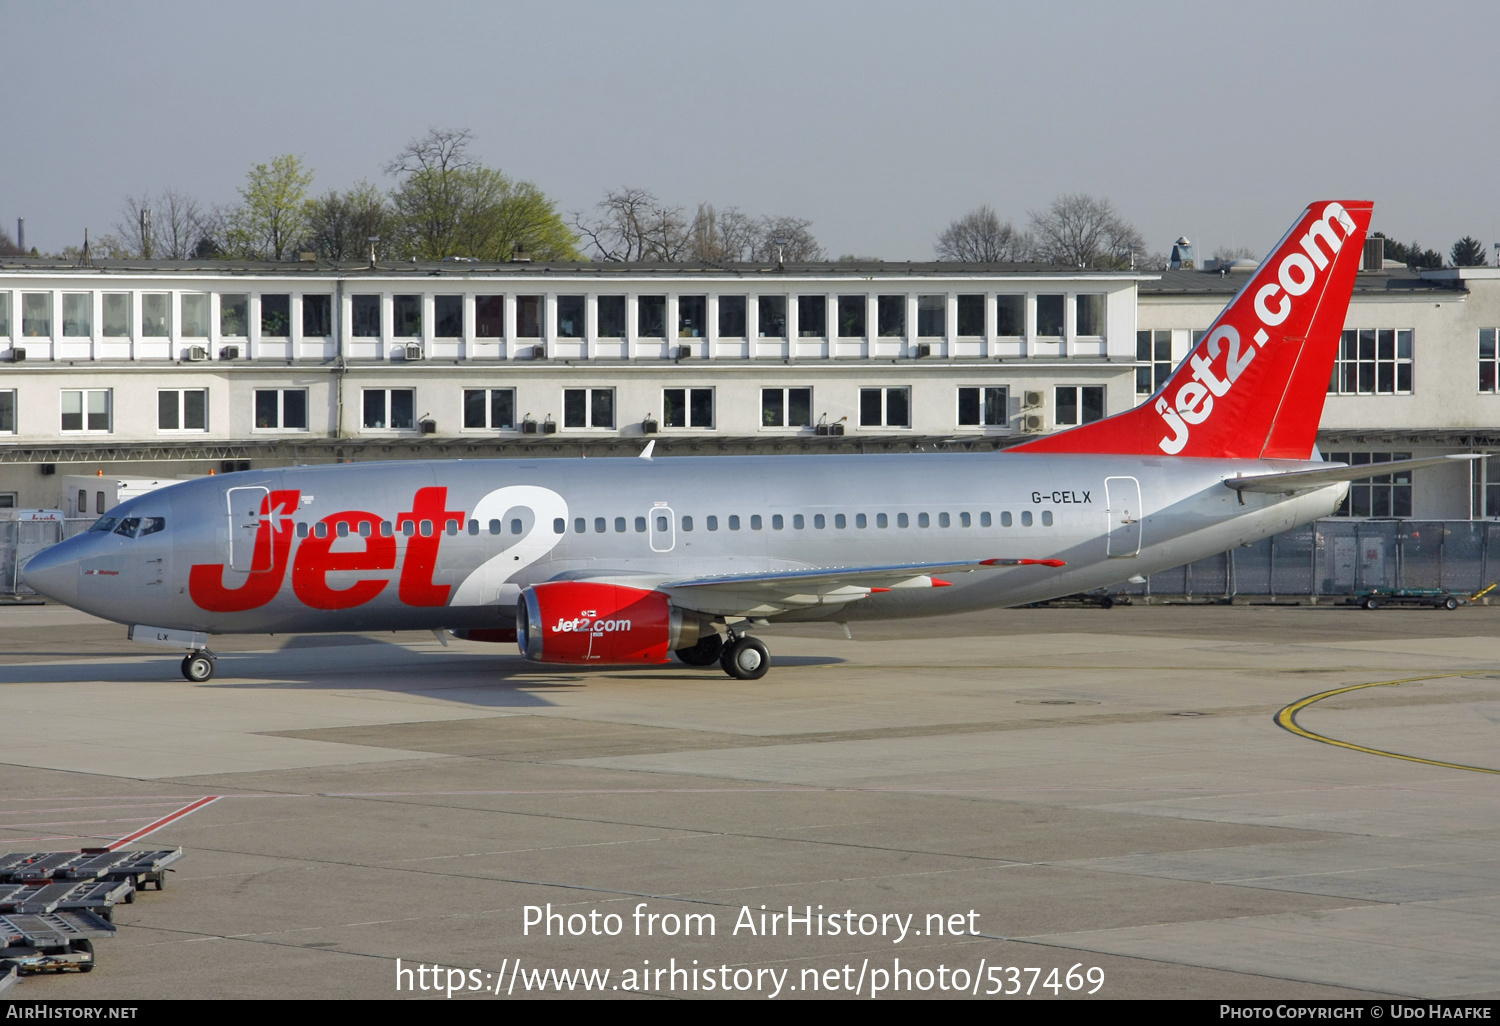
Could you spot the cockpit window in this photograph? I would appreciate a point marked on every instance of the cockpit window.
(139, 527)
(104, 525)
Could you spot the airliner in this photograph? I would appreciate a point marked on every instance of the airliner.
(633, 560)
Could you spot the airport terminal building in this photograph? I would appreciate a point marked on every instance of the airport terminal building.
(145, 369)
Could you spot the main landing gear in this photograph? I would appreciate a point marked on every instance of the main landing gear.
(198, 666)
(741, 656)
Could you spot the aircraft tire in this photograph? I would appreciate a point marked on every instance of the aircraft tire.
(705, 653)
(745, 658)
(198, 667)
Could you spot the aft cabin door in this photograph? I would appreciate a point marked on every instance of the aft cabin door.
(1123, 498)
(244, 527)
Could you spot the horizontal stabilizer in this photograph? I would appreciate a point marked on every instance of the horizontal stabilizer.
(1307, 480)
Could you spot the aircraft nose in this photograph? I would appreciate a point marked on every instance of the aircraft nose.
(53, 573)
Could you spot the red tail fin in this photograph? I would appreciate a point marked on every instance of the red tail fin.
(1253, 387)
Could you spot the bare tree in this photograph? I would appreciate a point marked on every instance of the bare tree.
(1224, 254)
(981, 237)
(719, 237)
(1081, 231)
(8, 245)
(340, 224)
(791, 238)
(168, 226)
(631, 224)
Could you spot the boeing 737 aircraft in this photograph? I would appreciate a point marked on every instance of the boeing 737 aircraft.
(630, 560)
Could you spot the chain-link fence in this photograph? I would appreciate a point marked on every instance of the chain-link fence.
(1340, 557)
(22, 539)
(1330, 557)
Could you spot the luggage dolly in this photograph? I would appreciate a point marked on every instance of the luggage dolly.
(51, 941)
(96, 896)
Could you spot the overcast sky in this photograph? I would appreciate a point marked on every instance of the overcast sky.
(879, 121)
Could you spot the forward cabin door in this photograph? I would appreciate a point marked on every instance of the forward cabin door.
(1122, 496)
(244, 526)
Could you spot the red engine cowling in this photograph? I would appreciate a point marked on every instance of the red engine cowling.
(583, 622)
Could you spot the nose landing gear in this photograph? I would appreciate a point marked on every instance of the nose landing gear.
(198, 666)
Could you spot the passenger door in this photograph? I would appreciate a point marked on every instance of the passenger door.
(1122, 496)
(663, 530)
(244, 528)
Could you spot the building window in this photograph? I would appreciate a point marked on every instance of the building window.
(7, 411)
(117, 314)
(1488, 338)
(406, 316)
(885, 407)
(731, 316)
(182, 409)
(391, 409)
(282, 409)
(984, 406)
(275, 316)
(611, 311)
(1486, 485)
(156, 315)
(692, 316)
(1088, 314)
(1385, 495)
(852, 311)
(4, 315)
(36, 314)
(772, 323)
(8, 500)
(570, 316)
(234, 315)
(890, 316)
(932, 316)
(1010, 316)
(529, 316)
(1153, 356)
(195, 315)
(812, 316)
(971, 316)
(86, 409)
(489, 316)
(492, 409)
(651, 316)
(1078, 404)
(687, 407)
(588, 407)
(1049, 316)
(1372, 361)
(317, 316)
(366, 311)
(78, 314)
(786, 407)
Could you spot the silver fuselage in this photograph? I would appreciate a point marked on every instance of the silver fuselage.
(973, 506)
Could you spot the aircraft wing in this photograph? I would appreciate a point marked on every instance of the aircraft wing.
(764, 594)
(1307, 480)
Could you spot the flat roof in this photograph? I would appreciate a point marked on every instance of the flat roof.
(1227, 283)
(539, 269)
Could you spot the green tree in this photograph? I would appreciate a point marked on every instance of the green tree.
(1411, 254)
(447, 203)
(272, 216)
(1468, 252)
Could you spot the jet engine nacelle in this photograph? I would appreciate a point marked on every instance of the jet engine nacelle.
(585, 622)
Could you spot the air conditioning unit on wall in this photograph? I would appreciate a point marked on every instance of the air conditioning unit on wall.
(229, 352)
(197, 353)
(1033, 399)
(1033, 423)
(411, 351)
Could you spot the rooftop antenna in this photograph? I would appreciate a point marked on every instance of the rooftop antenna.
(781, 242)
(85, 258)
(145, 233)
(373, 239)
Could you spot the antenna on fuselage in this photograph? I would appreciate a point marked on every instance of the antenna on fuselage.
(646, 452)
